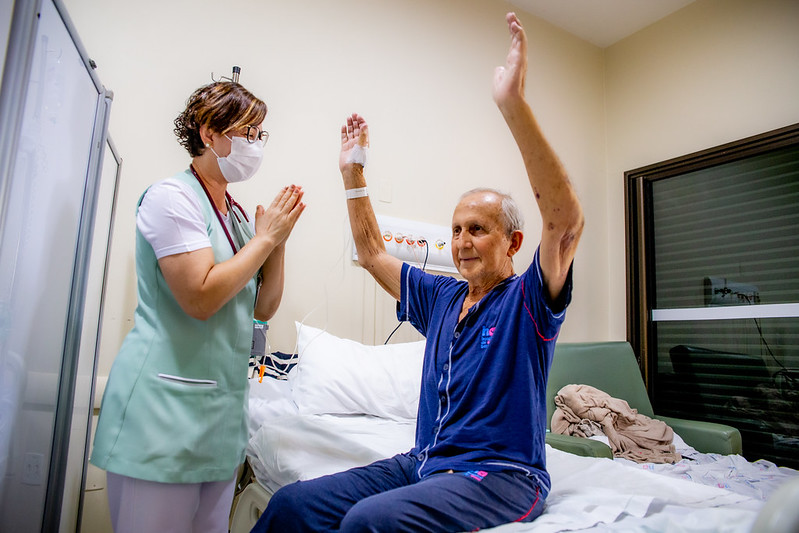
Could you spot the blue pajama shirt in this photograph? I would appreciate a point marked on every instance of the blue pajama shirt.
(482, 416)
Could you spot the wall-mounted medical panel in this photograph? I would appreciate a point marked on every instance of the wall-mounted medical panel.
(418, 243)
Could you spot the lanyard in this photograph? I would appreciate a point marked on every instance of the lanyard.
(231, 203)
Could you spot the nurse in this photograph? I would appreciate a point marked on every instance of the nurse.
(172, 427)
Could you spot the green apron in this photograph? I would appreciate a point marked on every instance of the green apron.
(175, 406)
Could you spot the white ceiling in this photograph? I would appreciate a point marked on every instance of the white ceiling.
(601, 22)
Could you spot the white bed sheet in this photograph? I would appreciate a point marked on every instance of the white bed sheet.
(587, 493)
(757, 479)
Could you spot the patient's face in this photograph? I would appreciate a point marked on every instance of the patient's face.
(481, 248)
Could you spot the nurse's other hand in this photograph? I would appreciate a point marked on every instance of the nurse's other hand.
(279, 218)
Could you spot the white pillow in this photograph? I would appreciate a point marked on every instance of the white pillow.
(341, 376)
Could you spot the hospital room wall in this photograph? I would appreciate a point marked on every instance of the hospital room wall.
(419, 71)
(714, 72)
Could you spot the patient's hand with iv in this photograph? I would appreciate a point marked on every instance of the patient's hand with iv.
(354, 142)
(372, 255)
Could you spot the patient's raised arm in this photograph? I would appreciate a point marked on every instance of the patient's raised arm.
(557, 200)
(372, 253)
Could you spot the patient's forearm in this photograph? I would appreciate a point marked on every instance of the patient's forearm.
(366, 233)
(556, 198)
(561, 212)
(363, 222)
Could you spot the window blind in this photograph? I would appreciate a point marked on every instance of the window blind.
(728, 236)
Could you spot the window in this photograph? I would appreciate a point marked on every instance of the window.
(713, 288)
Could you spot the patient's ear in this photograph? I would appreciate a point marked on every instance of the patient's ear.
(516, 239)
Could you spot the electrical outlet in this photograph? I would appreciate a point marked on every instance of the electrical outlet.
(32, 470)
(722, 291)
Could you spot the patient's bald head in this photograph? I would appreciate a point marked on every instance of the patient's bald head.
(510, 215)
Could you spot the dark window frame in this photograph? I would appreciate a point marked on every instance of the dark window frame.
(639, 228)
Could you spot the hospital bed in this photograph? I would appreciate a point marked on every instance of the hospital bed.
(346, 404)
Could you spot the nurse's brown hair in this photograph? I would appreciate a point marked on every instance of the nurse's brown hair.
(222, 106)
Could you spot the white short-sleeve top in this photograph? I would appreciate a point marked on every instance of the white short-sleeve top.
(171, 220)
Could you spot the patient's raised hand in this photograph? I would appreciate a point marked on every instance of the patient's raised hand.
(354, 132)
(509, 80)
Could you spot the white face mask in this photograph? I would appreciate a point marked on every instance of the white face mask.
(243, 161)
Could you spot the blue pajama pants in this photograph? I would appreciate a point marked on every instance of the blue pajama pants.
(388, 496)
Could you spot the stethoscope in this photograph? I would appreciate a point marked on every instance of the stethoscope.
(231, 204)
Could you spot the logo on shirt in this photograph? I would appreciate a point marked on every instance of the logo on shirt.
(476, 475)
(485, 336)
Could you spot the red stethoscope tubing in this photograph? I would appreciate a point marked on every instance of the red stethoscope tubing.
(232, 204)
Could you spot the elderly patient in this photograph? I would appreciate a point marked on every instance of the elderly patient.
(479, 458)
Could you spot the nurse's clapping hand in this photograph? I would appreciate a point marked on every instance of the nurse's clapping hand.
(277, 221)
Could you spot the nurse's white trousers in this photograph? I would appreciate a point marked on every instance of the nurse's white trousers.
(139, 506)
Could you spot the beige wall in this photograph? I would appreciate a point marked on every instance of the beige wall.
(419, 71)
(713, 72)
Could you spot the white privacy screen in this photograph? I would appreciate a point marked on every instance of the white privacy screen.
(41, 217)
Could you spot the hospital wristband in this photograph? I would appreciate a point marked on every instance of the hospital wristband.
(356, 193)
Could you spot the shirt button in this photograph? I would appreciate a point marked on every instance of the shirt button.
(457, 334)
(446, 366)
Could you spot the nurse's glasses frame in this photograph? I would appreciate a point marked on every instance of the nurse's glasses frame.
(254, 134)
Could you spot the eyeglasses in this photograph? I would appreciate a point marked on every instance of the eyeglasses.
(254, 134)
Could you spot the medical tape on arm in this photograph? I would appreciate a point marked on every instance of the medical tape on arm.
(358, 155)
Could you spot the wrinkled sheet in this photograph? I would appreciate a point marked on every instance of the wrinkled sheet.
(587, 493)
(756, 479)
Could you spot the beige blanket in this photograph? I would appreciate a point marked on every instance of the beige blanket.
(583, 411)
